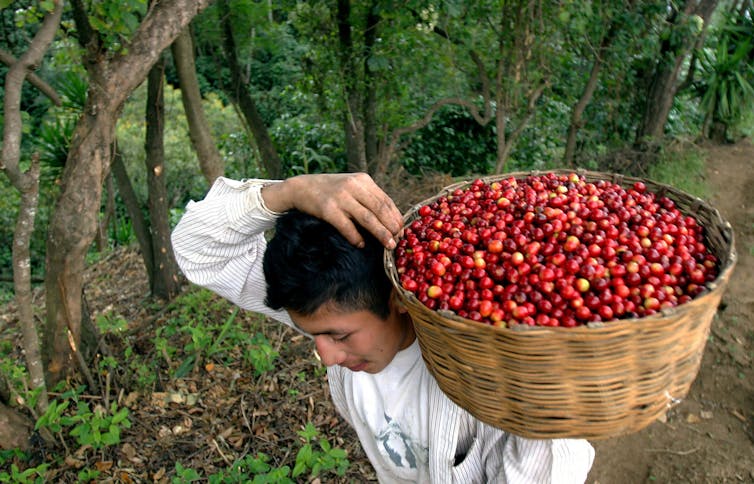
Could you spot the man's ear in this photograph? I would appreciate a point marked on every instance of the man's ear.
(396, 304)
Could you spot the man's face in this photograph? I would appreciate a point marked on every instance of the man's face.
(359, 341)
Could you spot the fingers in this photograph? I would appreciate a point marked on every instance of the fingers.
(345, 200)
(376, 211)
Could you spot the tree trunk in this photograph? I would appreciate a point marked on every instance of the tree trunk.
(74, 222)
(239, 93)
(505, 143)
(109, 210)
(210, 160)
(664, 85)
(71, 232)
(370, 94)
(22, 283)
(133, 208)
(164, 282)
(352, 116)
(15, 429)
(586, 95)
(27, 183)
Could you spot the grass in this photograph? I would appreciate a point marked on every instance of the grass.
(683, 167)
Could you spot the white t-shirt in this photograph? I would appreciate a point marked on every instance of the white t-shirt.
(389, 411)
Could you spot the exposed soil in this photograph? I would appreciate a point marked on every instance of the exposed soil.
(709, 436)
(220, 411)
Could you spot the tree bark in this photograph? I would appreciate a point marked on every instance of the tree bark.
(22, 283)
(239, 93)
(112, 78)
(210, 160)
(164, 282)
(101, 239)
(664, 85)
(133, 208)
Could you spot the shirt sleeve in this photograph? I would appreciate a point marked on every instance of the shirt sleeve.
(561, 461)
(219, 243)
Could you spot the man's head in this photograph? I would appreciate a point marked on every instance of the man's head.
(336, 292)
(308, 263)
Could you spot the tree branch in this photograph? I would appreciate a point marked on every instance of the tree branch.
(162, 24)
(36, 81)
(88, 37)
(14, 80)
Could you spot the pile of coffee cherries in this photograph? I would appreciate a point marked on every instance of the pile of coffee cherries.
(553, 250)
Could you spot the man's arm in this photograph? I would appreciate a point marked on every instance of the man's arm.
(509, 458)
(219, 242)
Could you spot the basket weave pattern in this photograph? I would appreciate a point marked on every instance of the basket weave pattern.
(596, 381)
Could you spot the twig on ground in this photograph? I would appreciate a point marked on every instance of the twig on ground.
(245, 417)
(674, 452)
(225, 458)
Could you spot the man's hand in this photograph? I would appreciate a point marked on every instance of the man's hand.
(342, 200)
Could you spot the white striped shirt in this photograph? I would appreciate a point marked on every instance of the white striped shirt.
(219, 244)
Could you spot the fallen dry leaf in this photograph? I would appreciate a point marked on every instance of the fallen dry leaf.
(128, 451)
(74, 462)
(159, 474)
(104, 465)
(131, 399)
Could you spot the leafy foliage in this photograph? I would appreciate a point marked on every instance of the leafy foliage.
(95, 428)
(725, 85)
(317, 460)
(465, 145)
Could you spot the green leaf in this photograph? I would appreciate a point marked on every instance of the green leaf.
(186, 367)
(111, 437)
(309, 432)
(338, 453)
(298, 469)
(120, 415)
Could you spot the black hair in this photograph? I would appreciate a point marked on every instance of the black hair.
(308, 263)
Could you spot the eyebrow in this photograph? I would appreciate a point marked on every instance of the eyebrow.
(329, 332)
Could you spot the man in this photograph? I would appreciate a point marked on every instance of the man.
(322, 274)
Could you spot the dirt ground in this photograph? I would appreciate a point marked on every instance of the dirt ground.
(709, 436)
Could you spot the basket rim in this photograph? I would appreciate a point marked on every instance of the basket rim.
(723, 275)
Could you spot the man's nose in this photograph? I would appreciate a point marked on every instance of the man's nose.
(327, 350)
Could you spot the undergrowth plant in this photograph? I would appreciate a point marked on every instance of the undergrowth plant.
(96, 427)
(207, 328)
(316, 457)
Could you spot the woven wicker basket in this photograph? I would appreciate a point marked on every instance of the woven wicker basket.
(593, 382)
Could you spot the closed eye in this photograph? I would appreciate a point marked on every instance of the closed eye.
(341, 337)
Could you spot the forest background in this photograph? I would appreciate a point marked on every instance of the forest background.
(116, 114)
